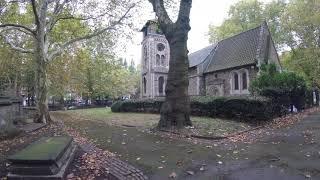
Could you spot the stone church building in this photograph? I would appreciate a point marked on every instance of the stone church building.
(222, 69)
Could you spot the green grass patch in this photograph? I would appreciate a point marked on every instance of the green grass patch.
(202, 125)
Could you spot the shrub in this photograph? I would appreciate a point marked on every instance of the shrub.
(141, 105)
(224, 107)
(286, 88)
(116, 106)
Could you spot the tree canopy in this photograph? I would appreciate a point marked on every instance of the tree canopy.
(51, 34)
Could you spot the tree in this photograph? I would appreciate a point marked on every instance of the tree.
(175, 111)
(248, 14)
(132, 67)
(243, 15)
(47, 15)
(301, 31)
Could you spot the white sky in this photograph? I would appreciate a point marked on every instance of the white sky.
(203, 13)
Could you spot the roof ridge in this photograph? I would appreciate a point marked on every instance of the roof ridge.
(241, 33)
(208, 51)
(259, 46)
(210, 61)
(213, 44)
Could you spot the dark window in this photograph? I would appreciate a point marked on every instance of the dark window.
(145, 54)
(158, 60)
(236, 81)
(216, 75)
(145, 33)
(160, 47)
(244, 81)
(163, 60)
(145, 85)
(161, 84)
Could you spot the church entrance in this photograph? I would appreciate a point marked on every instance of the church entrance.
(215, 89)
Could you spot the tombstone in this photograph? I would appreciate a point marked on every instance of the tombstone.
(47, 158)
(9, 110)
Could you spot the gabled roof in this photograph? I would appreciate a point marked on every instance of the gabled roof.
(238, 50)
(235, 51)
(198, 57)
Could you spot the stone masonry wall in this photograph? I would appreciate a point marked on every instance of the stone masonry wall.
(193, 82)
(215, 81)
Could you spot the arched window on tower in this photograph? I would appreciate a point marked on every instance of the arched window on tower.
(161, 85)
(144, 85)
(158, 60)
(236, 81)
(244, 81)
(163, 60)
(145, 55)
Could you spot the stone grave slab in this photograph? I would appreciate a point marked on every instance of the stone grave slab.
(46, 158)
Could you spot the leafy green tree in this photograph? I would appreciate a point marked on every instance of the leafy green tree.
(44, 18)
(132, 67)
(243, 15)
(248, 14)
(301, 24)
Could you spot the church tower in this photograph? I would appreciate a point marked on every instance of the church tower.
(154, 61)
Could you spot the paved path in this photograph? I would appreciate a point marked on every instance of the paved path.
(292, 153)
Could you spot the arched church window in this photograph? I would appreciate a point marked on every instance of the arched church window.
(244, 81)
(144, 85)
(161, 84)
(158, 60)
(163, 60)
(145, 55)
(236, 81)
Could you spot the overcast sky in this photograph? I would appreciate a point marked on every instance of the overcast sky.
(203, 13)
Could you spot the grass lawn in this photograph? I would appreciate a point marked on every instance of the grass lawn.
(156, 155)
(203, 125)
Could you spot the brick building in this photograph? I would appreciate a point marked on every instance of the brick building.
(222, 69)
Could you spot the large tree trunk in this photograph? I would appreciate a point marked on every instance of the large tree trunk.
(43, 115)
(175, 112)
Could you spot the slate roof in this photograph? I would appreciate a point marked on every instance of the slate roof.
(235, 51)
(198, 57)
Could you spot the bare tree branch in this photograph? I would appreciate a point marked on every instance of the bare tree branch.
(35, 12)
(16, 48)
(18, 1)
(77, 18)
(57, 9)
(18, 26)
(83, 18)
(18, 29)
(162, 14)
(58, 51)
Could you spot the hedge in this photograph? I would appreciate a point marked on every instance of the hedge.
(243, 108)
